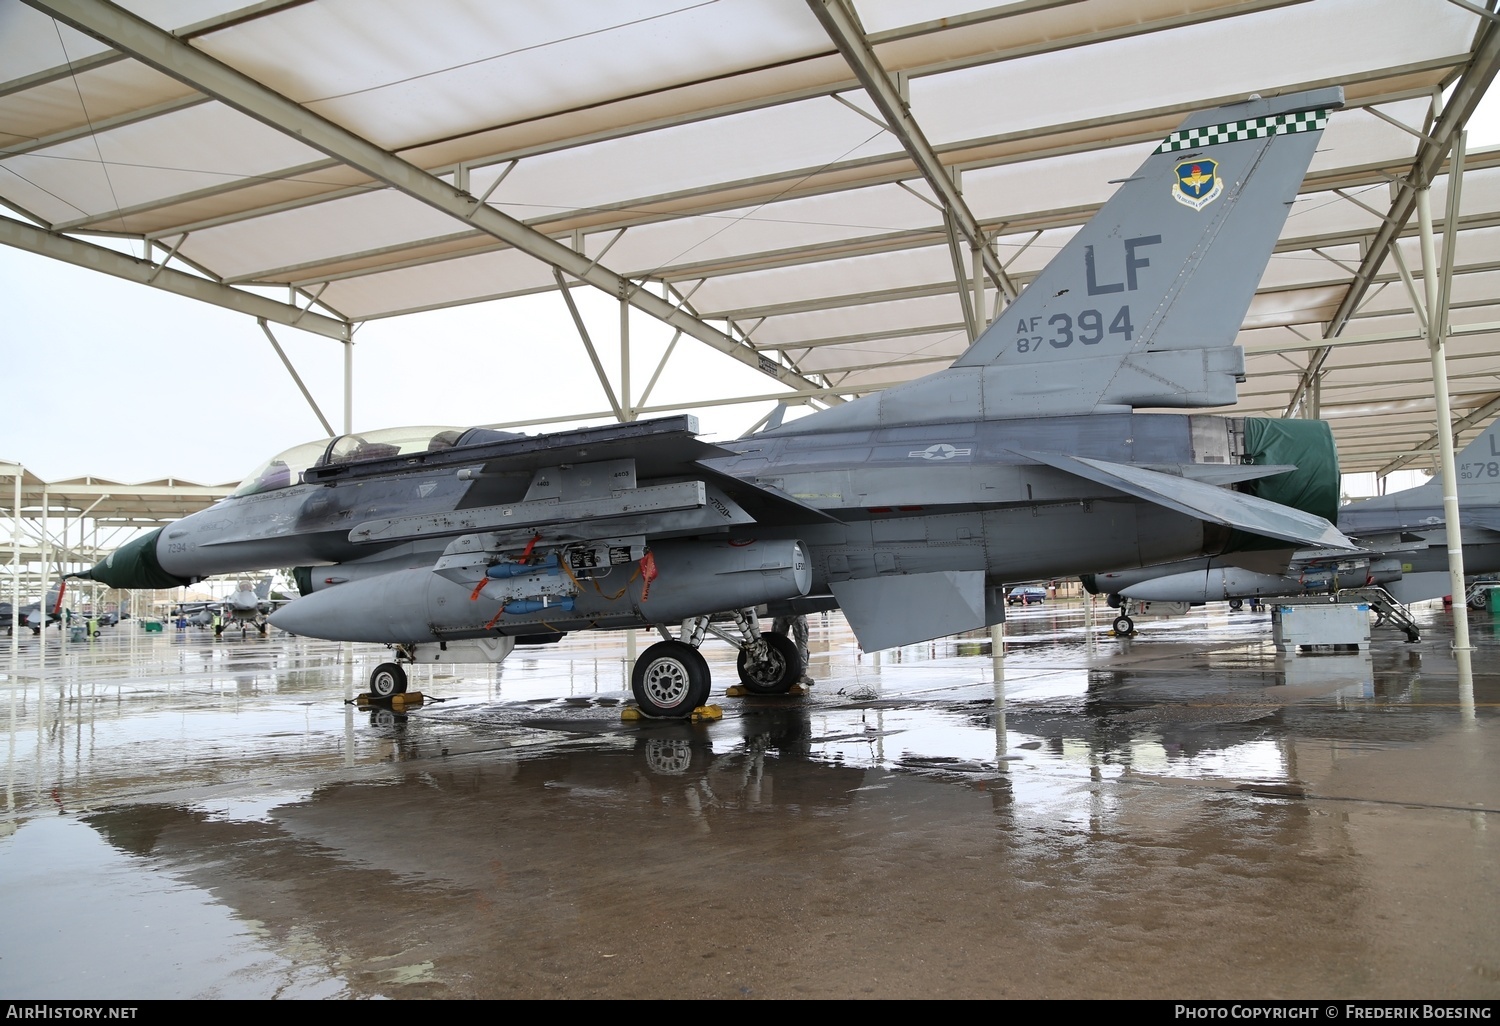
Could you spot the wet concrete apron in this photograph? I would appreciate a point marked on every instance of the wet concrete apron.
(1187, 814)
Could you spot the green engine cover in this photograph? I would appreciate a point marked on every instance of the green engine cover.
(1313, 487)
(135, 566)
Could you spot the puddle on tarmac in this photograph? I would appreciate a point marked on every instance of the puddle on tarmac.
(85, 920)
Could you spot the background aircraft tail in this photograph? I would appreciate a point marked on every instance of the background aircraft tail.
(1478, 467)
(1142, 306)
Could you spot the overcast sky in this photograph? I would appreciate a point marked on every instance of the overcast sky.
(127, 383)
(121, 381)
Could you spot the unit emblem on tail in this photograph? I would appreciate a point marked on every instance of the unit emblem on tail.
(1198, 184)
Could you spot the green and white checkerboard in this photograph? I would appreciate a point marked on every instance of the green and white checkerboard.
(1237, 131)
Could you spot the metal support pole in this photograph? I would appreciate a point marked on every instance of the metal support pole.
(588, 345)
(15, 572)
(981, 321)
(1436, 324)
(62, 558)
(348, 387)
(661, 366)
(627, 414)
(41, 650)
(298, 379)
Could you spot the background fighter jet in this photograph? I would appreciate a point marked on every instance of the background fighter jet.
(32, 614)
(908, 509)
(1402, 538)
(247, 606)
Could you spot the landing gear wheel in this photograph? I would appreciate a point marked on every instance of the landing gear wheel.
(1236, 604)
(1124, 625)
(387, 680)
(776, 674)
(670, 680)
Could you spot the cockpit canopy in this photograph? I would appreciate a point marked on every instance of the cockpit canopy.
(286, 469)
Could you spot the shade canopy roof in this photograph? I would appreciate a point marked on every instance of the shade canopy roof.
(810, 186)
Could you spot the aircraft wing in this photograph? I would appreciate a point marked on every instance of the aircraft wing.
(615, 482)
(1204, 501)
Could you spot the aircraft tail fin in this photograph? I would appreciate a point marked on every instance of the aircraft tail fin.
(1478, 467)
(1142, 306)
(1172, 260)
(263, 589)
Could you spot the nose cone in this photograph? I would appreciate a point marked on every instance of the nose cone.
(134, 565)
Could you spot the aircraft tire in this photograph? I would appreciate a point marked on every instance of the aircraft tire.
(1124, 625)
(1236, 604)
(387, 680)
(778, 673)
(670, 680)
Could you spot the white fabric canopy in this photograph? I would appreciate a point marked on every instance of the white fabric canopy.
(727, 151)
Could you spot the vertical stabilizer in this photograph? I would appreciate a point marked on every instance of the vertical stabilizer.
(1140, 308)
(1421, 507)
(1478, 467)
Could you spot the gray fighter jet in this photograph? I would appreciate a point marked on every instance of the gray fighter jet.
(31, 615)
(1403, 540)
(246, 606)
(909, 509)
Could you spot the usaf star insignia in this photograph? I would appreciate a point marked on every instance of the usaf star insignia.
(940, 451)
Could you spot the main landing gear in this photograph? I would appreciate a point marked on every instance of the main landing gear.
(671, 678)
(388, 679)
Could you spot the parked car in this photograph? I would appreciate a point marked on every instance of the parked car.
(1026, 596)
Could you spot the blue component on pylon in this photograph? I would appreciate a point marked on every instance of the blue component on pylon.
(547, 565)
(537, 605)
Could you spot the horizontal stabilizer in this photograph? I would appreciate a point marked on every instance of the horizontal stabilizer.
(1489, 519)
(1195, 499)
(1221, 474)
(903, 609)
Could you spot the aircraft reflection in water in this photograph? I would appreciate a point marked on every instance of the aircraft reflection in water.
(908, 509)
(1402, 537)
